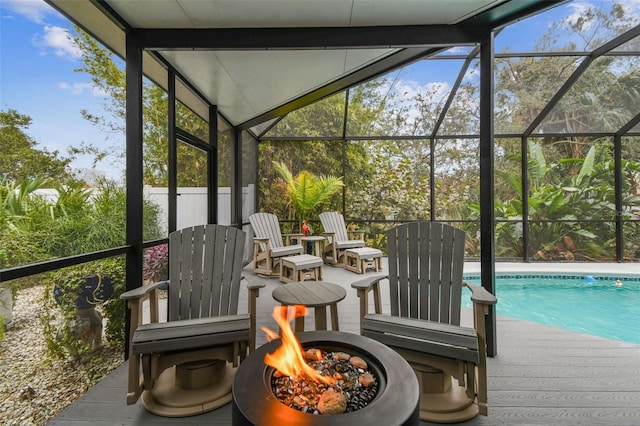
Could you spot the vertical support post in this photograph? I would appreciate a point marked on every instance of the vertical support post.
(172, 167)
(344, 151)
(524, 173)
(236, 179)
(212, 166)
(487, 214)
(134, 173)
(432, 178)
(617, 160)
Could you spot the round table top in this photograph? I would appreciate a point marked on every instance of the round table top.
(309, 293)
(312, 238)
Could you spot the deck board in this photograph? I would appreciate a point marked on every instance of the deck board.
(541, 376)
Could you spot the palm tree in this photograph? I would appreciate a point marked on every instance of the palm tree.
(306, 191)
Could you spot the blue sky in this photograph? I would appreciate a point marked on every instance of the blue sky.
(37, 76)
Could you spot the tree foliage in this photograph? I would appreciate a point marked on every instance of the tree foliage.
(74, 221)
(394, 178)
(21, 158)
(107, 75)
(307, 192)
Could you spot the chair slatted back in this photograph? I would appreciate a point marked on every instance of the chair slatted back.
(426, 261)
(266, 225)
(205, 269)
(334, 222)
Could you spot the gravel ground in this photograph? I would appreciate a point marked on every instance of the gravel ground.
(33, 389)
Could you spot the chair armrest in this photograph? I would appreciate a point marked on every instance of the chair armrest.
(363, 287)
(293, 238)
(261, 245)
(254, 282)
(330, 236)
(368, 282)
(356, 235)
(481, 295)
(142, 291)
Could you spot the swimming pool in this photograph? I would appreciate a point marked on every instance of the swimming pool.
(585, 304)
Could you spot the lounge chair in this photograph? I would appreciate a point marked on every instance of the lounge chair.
(338, 238)
(426, 260)
(268, 245)
(189, 361)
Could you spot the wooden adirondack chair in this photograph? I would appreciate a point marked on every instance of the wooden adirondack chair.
(426, 260)
(189, 361)
(268, 244)
(338, 238)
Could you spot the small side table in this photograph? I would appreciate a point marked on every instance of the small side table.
(313, 294)
(318, 244)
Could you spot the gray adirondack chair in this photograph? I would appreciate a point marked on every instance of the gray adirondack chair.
(268, 244)
(426, 260)
(189, 361)
(338, 238)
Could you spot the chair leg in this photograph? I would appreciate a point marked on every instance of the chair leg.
(146, 371)
(135, 388)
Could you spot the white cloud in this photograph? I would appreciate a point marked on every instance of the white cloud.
(33, 10)
(79, 88)
(408, 90)
(472, 74)
(631, 8)
(57, 39)
(577, 10)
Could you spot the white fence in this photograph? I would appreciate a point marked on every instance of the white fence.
(192, 207)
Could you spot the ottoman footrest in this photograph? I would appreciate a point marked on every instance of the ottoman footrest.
(301, 268)
(358, 260)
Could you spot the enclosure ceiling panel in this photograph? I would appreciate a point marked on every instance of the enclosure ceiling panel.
(294, 13)
(256, 85)
(230, 79)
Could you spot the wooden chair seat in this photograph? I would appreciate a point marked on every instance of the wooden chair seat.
(286, 250)
(446, 340)
(190, 334)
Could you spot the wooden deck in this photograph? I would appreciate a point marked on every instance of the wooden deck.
(541, 375)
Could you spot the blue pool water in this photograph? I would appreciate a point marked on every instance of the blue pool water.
(590, 304)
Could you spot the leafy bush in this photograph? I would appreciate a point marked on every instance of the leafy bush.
(573, 192)
(61, 313)
(78, 221)
(155, 263)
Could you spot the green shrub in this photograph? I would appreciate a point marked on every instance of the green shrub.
(60, 318)
(1, 328)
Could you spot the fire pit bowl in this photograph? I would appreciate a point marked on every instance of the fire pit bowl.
(397, 401)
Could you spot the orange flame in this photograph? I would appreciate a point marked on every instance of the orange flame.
(288, 358)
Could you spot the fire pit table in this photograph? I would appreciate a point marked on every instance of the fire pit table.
(397, 401)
